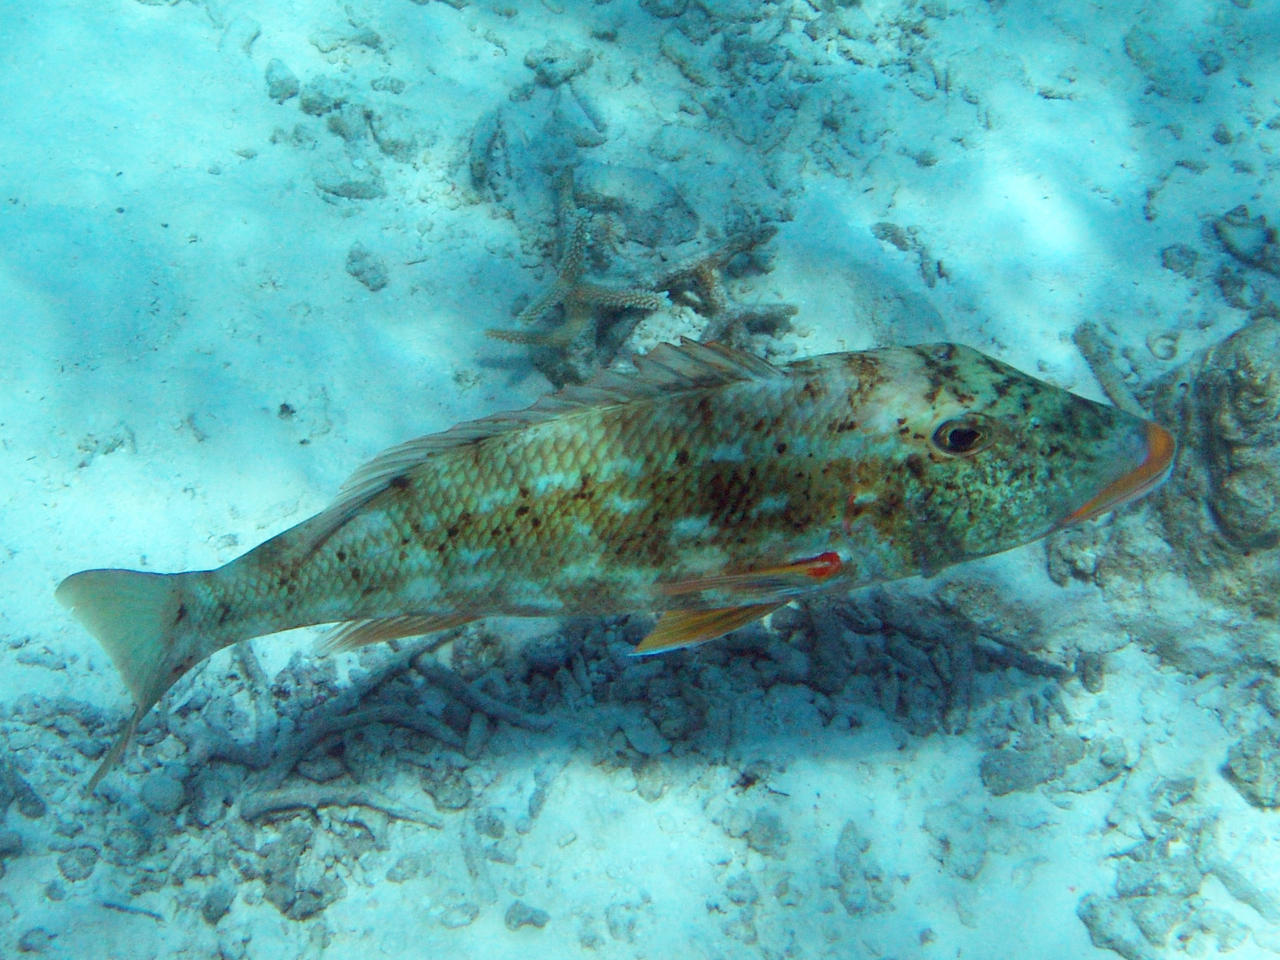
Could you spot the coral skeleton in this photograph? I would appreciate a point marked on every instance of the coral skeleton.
(576, 296)
(697, 283)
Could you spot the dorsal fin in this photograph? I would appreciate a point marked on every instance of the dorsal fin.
(665, 369)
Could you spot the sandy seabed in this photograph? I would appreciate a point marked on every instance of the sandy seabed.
(247, 246)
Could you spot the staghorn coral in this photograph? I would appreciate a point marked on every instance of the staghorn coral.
(576, 296)
(699, 284)
(592, 329)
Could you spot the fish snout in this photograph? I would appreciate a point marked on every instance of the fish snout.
(1156, 464)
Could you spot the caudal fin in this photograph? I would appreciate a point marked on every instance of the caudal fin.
(137, 618)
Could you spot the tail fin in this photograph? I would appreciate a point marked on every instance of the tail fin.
(137, 618)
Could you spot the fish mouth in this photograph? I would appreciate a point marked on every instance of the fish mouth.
(1136, 483)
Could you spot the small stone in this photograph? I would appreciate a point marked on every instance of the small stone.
(78, 862)
(478, 733)
(620, 920)
(1163, 346)
(35, 940)
(369, 187)
(1211, 62)
(863, 886)
(1251, 240)
(208, 803)
(537, 800)
(10, 843)
(1180, 259)
(348, 122)
(736, 822)
(651, 780)
(216, 902)
(408, 867)
(163, 793)
(892, 233)
(665, 9)
(281, 82)
(1227, 932)
(1253, 767)
(394, 134)
(766, 835)
(1092, 670)
(317, 97)
(1111, 927)
(126, 844)
(489, 824)
(741, 927)
(30, 804)
(689, 58)
(1164, 60)
(459, 915)
(520, 914)
(1156, 916)
(234, 947)
(643, 735)
(547, 654)
(1011, 770)
(366, 267)
(65, 827)
(960, 838)
(1178, 877)
(447, 786)
(557, 62)
(316, 897)
(741, 890)
(327, 41)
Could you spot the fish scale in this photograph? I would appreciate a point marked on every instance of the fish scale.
(569, 538)
(709, 486)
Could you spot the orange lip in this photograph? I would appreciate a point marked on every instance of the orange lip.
(1134, 484)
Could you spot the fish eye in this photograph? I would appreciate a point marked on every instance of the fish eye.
(961, 438)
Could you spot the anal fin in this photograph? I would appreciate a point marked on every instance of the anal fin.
(687, 628)
(361, 633)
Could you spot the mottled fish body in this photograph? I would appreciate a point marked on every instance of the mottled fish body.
(709, 485)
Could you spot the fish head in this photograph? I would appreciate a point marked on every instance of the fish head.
(989, 458)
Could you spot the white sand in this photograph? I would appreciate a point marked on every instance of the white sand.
(172, 276)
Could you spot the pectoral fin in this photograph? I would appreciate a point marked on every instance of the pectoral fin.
(687, 628)
(785, 580)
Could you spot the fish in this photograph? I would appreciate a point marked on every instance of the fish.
(709, 486)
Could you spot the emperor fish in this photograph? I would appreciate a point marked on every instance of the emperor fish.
(710, 486)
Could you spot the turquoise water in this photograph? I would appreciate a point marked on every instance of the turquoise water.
(248, 246)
